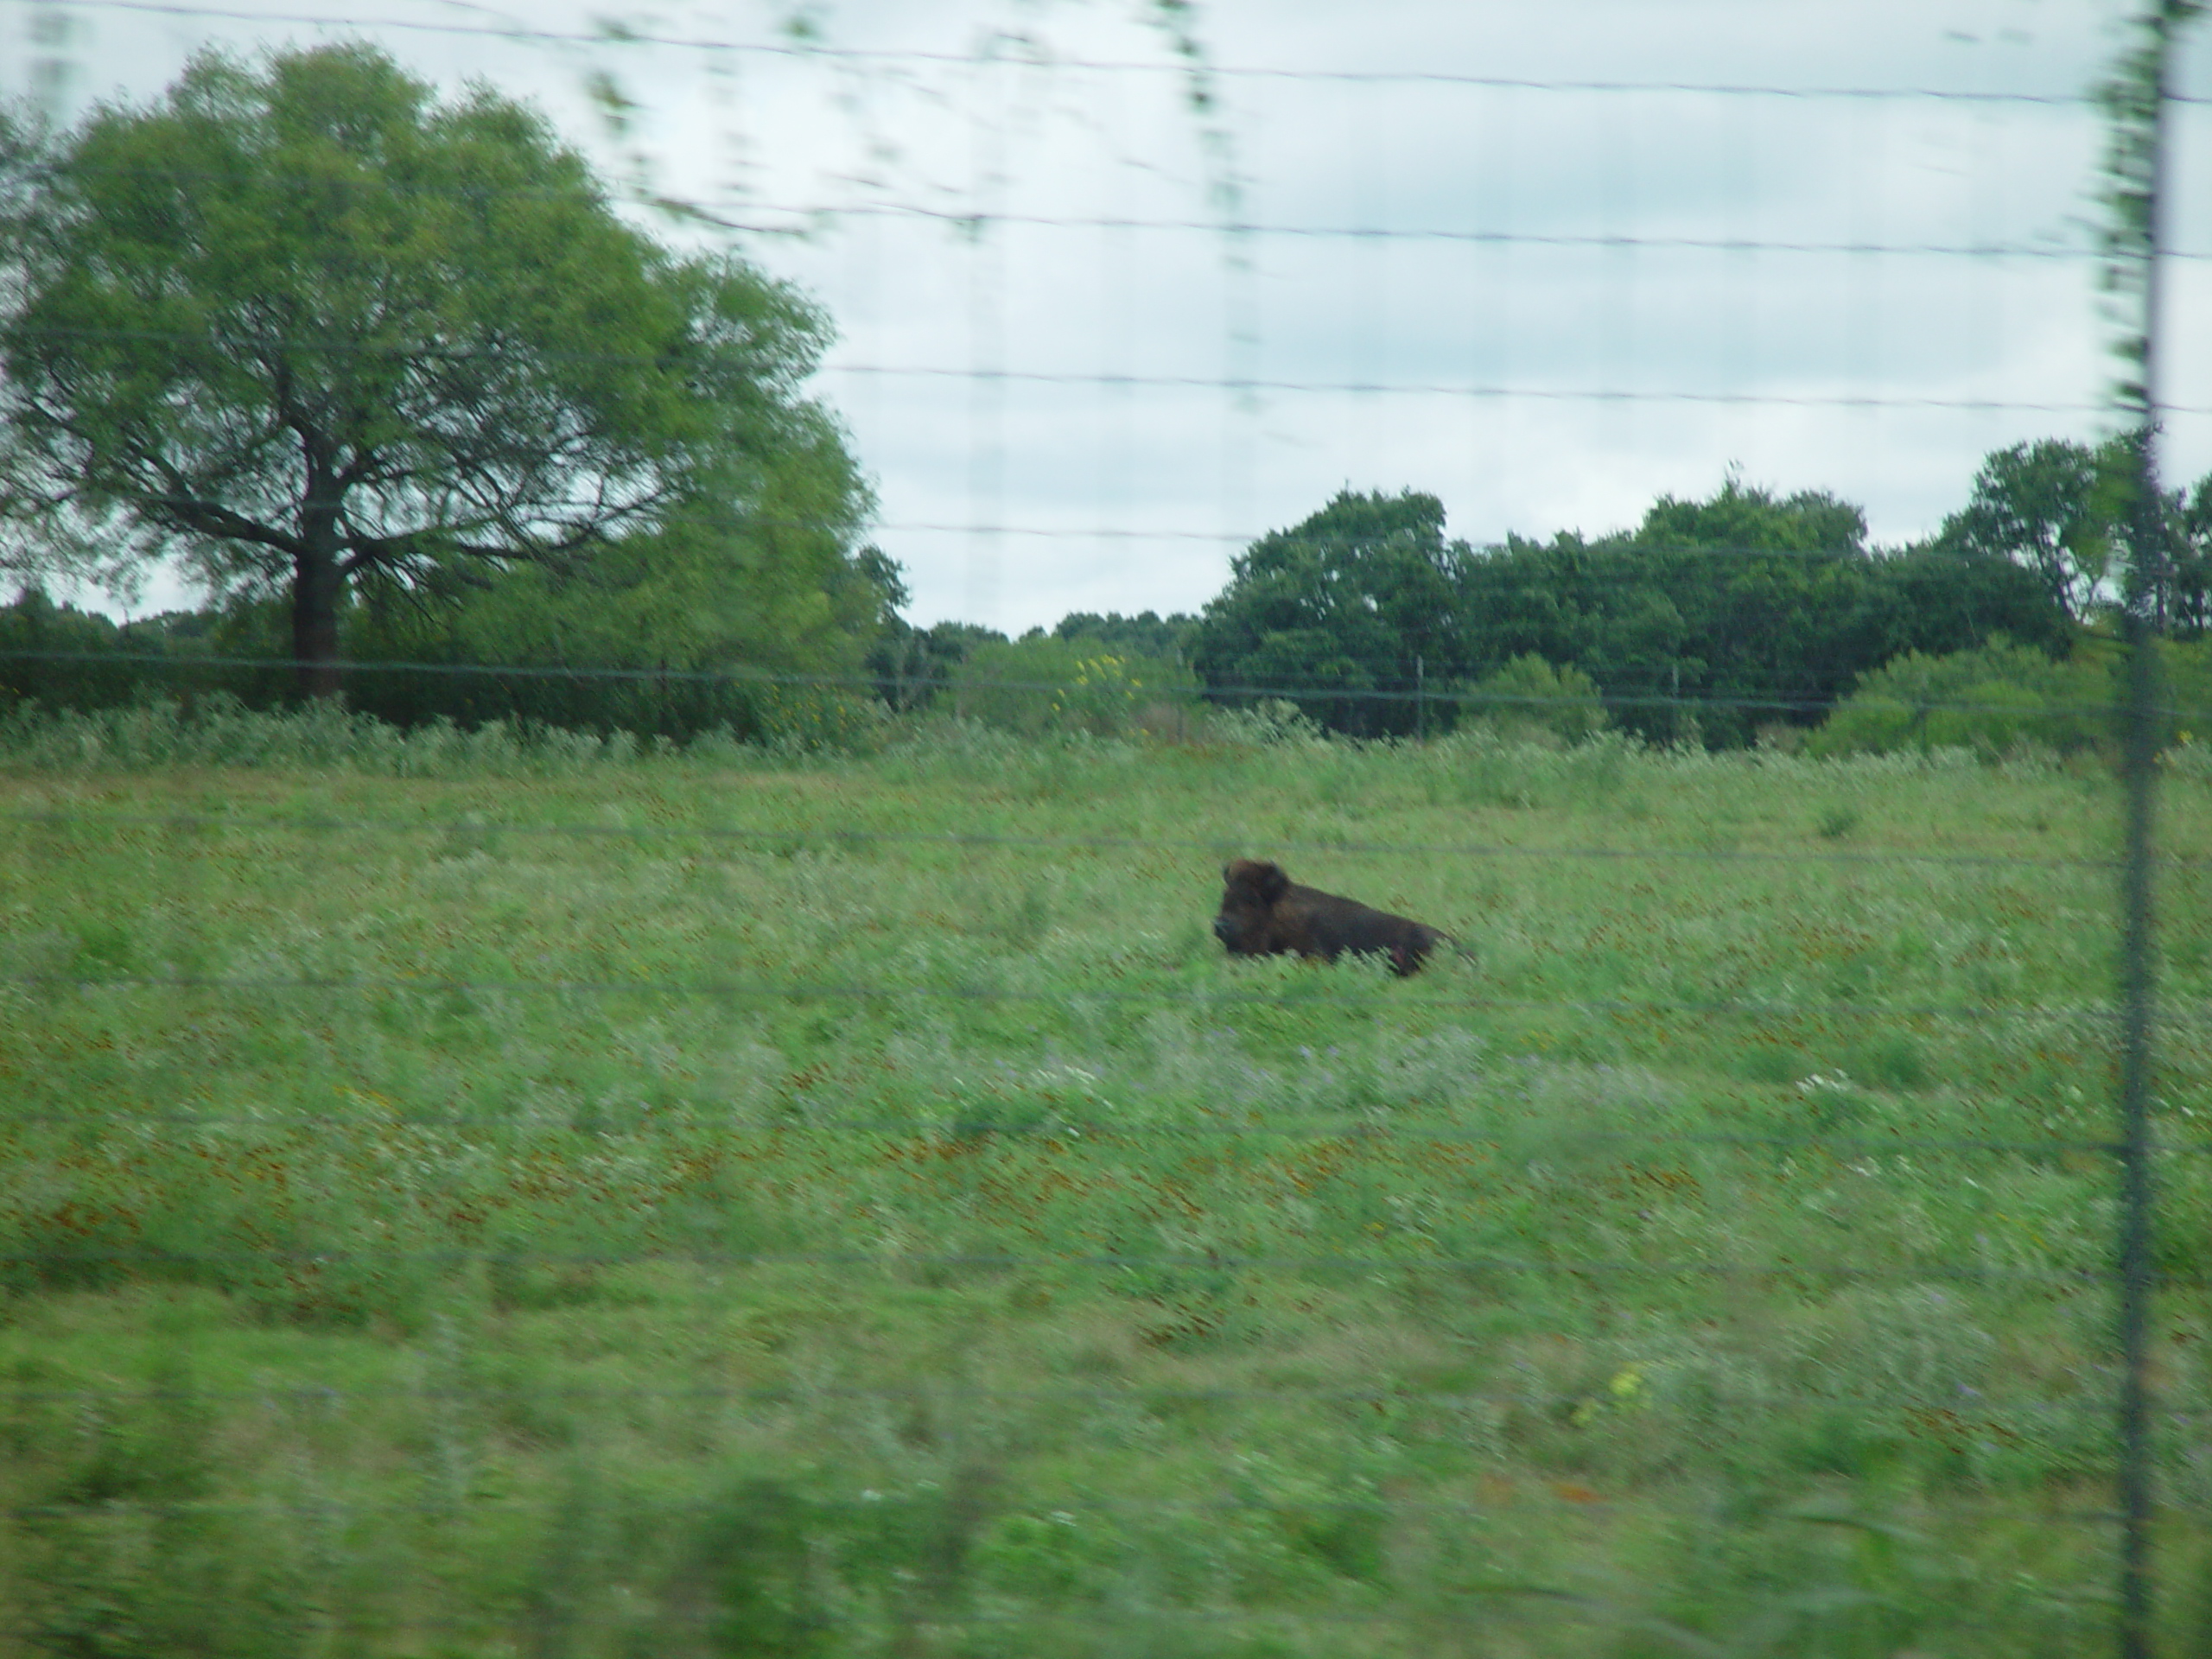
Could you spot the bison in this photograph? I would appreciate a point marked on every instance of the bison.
(1264, 913)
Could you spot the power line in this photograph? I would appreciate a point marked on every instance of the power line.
(1213, 844)
(615, 38)
(1605, 241)
(674, 363)
(874, 683)
(396, 189)
(2017, 1014)
(1980, 1405)
(1485, 391)
(1612, 547)
(1224, 1261)
(978, 1125)
(1547, 1495)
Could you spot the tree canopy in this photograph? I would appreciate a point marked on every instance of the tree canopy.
(327, 335)
(2054, 506)
(1165, 638)
(2059, 508)
(1714, 617)
(1742, 608)
(1352, 613)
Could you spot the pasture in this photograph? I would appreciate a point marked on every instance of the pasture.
(484, 1198)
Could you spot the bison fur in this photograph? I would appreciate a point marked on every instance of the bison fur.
(1264, 912)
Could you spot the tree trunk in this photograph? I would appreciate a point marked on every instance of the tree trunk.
(317, 587)
(315, 584)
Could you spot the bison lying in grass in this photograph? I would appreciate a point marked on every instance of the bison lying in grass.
(1264, 913)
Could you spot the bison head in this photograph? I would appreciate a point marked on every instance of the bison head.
(1250, 890)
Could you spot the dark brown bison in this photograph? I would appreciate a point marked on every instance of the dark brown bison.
(1264, 913)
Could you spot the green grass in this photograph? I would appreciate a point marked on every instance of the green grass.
(494, 1195)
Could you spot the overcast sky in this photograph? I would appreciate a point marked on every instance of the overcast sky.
(1547, 260)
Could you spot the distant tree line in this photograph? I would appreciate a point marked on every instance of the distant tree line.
(910, 666)
(1709, 619)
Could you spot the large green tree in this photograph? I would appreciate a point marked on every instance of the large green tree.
(1350, 613)
(2055, 506)
(2189, 611)
(324, 332)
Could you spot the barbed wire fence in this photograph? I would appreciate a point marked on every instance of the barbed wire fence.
(1449, 1578)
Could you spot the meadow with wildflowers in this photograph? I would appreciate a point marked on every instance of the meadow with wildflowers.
(509, 1193)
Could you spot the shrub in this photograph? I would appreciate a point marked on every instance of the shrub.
(1040, 685)
(1999, 697)
(58, 656)
(1269, 723)
(1993, 699)
(1528, 697)
(128, 1543)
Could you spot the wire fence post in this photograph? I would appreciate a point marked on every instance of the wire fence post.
(2140, 101)
(2141, 742)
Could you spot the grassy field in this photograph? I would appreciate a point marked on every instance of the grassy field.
(478, 1197)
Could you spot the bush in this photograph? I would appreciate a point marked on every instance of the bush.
(1038, 684)
(2187, 693)
(218, 730)
(61, 657)
(1528, 697)
(1272, 722)
(493, 660)
(1993, 699)
(128, 1543)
